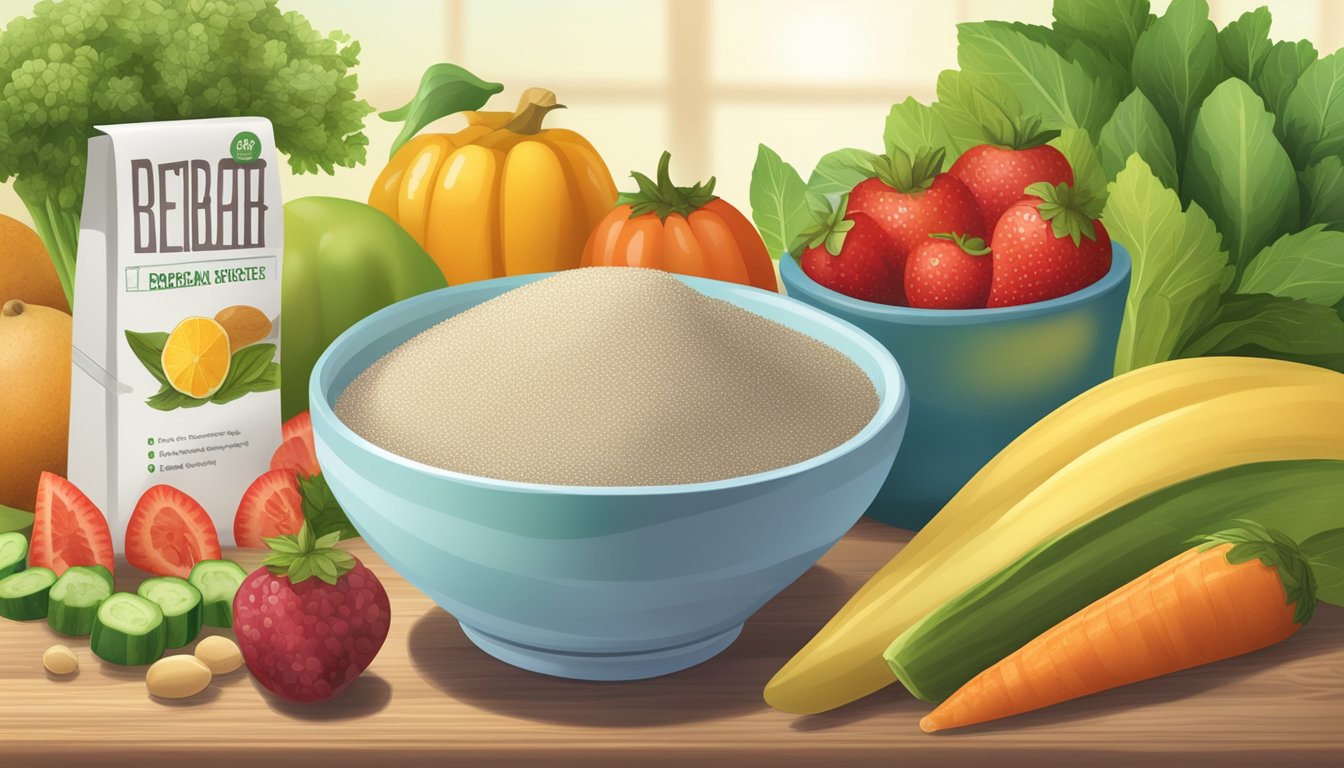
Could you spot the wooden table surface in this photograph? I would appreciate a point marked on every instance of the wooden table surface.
(432, 698)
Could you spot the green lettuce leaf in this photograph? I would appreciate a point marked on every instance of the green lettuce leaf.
(1046, 82)
(1313, 115)
(1307, 265)
(1137, 127)
(914, 129)
(1325, 553)
(1179, 268)
(1239, 173)
(976, 109)
(837, 172)
(1279, 73)
(1260, 325)
(1244, 44)
(1100, 67)
(778, 201)
(1111, 27)
(1176, 65)
(1088, 175)
(1322, 191)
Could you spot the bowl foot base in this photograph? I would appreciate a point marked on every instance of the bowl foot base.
(603, 666)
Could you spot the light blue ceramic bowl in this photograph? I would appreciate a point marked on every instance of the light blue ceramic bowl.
(600, 583)
(978, 377)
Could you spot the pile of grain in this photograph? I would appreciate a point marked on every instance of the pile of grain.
(609, 376)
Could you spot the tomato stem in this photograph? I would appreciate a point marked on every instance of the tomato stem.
(664, 198)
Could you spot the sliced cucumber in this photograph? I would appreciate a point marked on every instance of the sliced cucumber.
(13, 553)
(218, 581)
(128, 630)
(24, 595)
(101, 570)
(75, 598)
(182, 606)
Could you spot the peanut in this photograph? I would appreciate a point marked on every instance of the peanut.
(220, 654)
(245, 325)
(177, 677)
(60, 660)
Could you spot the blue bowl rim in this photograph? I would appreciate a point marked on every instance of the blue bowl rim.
(794, 278)
(889, 406)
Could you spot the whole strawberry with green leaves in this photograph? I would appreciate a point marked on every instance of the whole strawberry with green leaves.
(311, 619)
(1048, 245)
(1016, 155)
(849, 253)
(910, 200)
(949, 271)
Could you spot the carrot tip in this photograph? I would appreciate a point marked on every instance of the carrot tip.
(928, 725)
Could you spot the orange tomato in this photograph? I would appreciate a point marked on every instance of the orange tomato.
(687, 230)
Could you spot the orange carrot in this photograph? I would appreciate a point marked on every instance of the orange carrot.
(1235, 592)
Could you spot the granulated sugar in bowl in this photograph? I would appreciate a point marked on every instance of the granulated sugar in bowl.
(609, 376)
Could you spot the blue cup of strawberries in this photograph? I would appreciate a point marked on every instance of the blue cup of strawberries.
(993, 283)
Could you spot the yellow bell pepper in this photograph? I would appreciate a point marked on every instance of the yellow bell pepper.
(503, 196)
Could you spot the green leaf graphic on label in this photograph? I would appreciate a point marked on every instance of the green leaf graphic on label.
(245, 147)
(148, 349)
(251, 369)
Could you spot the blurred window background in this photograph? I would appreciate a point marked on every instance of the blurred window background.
(706, 79)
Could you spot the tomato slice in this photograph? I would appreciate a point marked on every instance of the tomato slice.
(297, 450)
(67, 528)
(169, 532)
(272, 506)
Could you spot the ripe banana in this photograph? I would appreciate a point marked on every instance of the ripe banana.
(1132, 435)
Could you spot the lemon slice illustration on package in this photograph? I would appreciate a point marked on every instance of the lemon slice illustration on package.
(196, 357)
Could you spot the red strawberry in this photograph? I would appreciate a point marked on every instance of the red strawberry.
(850, 253)
(910, 201)
(297, 449)
(311, 619)
(1047, 246)
(67, 528)
(998, 176)
(169, 532)
(271, 506)
(949, 271)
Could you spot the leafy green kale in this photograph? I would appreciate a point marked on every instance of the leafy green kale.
(73, 65)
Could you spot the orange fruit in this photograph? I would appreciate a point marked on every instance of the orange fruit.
(26, 272)
(196, 357)
(35, 395)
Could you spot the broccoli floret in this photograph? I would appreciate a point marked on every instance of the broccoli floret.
(73, 65)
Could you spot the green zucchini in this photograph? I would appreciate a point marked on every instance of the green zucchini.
(128, 630)
(13, 553)
(24, 595)
(182, 606)
(75, 598)
(969, 633)
(218, 581)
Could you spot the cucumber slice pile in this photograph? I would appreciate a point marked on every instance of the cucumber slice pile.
(218, 581)
(75, 598)
(128, 630)
(13, 552)
(182, 606)
(24, 595)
